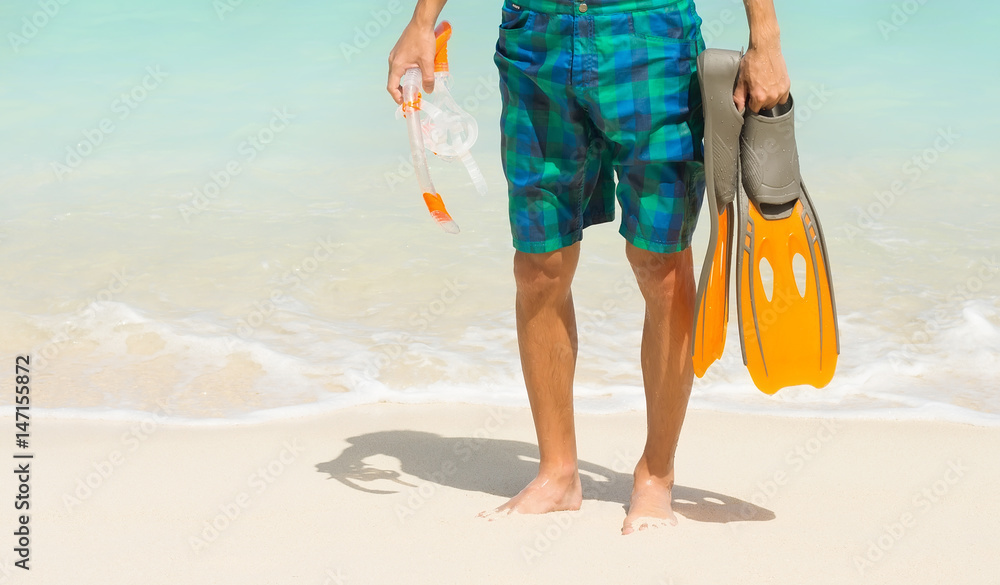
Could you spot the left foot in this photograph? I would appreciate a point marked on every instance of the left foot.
(650, 504)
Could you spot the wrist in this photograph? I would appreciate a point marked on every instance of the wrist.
(764, 32)
(425, 15)
(766, 39)
(423, 21)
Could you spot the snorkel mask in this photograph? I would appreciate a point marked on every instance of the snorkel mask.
(440, 125)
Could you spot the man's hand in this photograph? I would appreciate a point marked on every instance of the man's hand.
(763, 81)
(415, 48)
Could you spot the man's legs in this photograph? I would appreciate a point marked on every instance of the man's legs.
(667, 284)
(546, 337)
(561, 85)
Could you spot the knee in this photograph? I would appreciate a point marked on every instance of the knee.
(661, 276)
(544, 275)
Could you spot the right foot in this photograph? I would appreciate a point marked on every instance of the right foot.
(544, 494)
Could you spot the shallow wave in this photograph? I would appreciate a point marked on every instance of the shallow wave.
(120, 363)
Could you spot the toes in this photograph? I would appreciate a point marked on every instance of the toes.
(491, 515)
(647, 522)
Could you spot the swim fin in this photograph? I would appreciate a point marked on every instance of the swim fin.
(788, 331)
(717, 71)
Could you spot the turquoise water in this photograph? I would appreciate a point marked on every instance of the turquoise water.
(209, 203)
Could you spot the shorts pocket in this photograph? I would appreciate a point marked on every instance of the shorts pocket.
(663, 24)
(513, 17)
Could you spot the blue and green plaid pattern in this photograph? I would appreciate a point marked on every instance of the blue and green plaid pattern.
(591, 93)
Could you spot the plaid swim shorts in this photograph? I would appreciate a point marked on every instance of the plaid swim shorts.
(592, 90)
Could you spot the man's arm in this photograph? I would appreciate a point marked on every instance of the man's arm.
(415, 48)
(763, 79)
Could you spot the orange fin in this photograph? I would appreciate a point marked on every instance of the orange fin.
(712, 318)
(789, 336)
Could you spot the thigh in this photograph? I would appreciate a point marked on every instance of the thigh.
(548, 152)
(660, 203)
(648, 105)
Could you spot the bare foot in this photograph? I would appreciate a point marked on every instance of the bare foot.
(650, 505)
(545, 493)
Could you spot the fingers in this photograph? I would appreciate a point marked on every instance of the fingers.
(755, 96)
(760, 101)
(427, 71)
(765, 100)
(756, 100)
(740, 95)
(783, 99)
(415, 48)
(396, 71)
(392, 86)
(762, 83)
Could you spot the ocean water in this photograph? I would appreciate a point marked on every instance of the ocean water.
(206, 212)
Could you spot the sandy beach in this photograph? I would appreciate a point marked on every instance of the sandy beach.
(214, 203)
(389, 493)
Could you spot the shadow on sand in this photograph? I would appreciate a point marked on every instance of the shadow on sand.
(502, 468)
